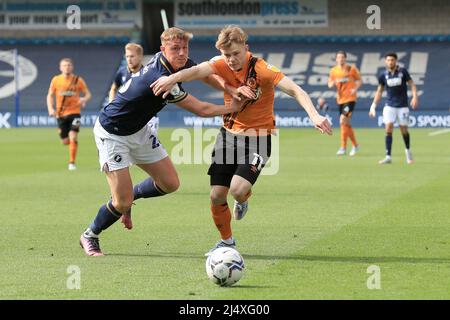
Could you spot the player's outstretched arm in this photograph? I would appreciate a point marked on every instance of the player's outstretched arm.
(219, 83)
(206, 109)
(164, 84)
(376, 99)
(289, 87)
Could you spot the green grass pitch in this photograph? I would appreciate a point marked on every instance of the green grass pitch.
(312, 230)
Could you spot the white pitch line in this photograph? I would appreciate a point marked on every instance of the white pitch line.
(438, 132)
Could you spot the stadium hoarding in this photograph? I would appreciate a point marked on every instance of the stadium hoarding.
(307, 64)
(201, 14)
(52, 14)
(175, 118)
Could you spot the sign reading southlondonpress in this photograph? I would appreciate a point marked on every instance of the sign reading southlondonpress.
(206, 14)
(53, 14)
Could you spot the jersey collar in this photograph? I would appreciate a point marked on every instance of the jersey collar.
(396, 69)
(140, 68)
(166, 63)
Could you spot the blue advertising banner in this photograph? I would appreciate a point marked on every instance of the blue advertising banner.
(308, 64)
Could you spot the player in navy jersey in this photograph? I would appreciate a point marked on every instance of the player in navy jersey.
(134, 54)
(395, 80)
(123, 137)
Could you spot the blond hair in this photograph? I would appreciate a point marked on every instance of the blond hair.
(175, 33)
(135, 47)
(229, 35)
(66, 60)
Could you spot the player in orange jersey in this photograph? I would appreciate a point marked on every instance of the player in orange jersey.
(243, 145)
(347, 80)
(66, 88)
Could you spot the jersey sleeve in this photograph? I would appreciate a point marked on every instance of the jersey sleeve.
(355, 73)
(82, 85)
(52, 88)
(271, 72)
(177, 94)
(118, 78)
(217, 64)
(407, 75)
(381, 79)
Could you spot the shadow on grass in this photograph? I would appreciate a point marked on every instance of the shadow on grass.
(299, 258)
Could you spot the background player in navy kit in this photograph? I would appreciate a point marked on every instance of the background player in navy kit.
(134, 55)
(395, 78)
(123, 137)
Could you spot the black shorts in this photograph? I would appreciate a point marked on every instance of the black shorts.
(68, 123)
(238, 155)
(347, 108)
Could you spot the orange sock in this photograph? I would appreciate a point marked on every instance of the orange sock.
(351, 135)
(222, 218)
(344, 135)
(73, 146)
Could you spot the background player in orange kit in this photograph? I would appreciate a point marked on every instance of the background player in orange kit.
(347, 80)
(66, 88)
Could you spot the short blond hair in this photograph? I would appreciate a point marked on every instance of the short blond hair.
(231, 34)
(175, 33)
(135, 47)
(66, 60)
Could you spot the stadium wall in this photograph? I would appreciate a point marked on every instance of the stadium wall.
(307, 64)
(349, 17)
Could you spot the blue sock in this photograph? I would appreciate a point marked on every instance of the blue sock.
(106, 216)
(406, 139)
(388, 143)
(147, 189)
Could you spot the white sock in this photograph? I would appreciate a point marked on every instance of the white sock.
(229, 240)
(90, 234)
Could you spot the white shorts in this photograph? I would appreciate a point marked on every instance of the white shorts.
(391, 114)
(154, 124)
(120, 152)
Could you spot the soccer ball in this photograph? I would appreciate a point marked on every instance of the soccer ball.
(225, 266)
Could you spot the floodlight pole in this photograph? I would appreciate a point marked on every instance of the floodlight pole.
(16, 85)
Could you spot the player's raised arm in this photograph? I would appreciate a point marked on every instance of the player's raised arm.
(164, 84)
(289, 87)
(376, 100)
(207, 109)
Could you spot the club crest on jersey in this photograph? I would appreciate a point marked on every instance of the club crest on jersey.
(252, 83)
(175, 91)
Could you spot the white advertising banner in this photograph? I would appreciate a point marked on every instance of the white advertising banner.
(53, 14)
(251, 13)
